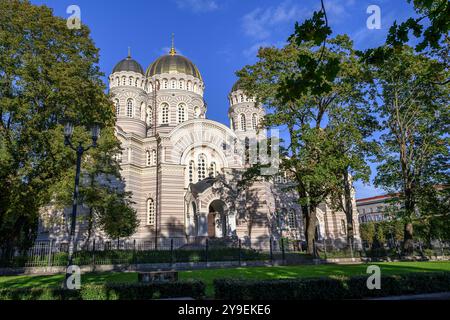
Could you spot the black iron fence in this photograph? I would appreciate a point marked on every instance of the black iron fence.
(177, 250)
(392, 249)
(137, 251)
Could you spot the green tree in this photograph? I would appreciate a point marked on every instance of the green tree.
(49, 74)
(414, 110)
(301, 86)
(431, 27)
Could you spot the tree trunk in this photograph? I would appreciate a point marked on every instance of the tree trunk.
(348, 210)
(408, 244)
(310, 230)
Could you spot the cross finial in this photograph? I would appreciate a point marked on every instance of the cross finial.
(172, 49)
(129, 52)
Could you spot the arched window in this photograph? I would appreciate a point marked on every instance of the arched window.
(142, 111)
(191, 171)
(188, 86)
(130, 108)
(181, 84)
(195, 87)
(165, 84)
(292, 219)
(254, 121)
(149, 116)
(130, 81)
(165, 113)
(148, 159)
(241, 98)
(243, 123)
(153, 160)
(173, 83)
(181, 113)
(150, 212)
(117, 81)
(212, 170)
(196, 112)
(137, 82)
(117, 105)
(201, 170)
(124, 81)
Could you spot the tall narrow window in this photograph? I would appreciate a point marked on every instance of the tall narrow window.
(174, 83)
(117, 104)
(130, 108)
(130, 81)
(181, 113)
(149, 116)
(201, 170)
(191, 171)
(243, 123)
(124, 81)
(254, 121)
(150, 212)
(137, 82)
(148, 159)
(165, 113)
(165, 84)
(117, 81)
(181, 84)
(292, 219)
(212, 170)
(154, 157)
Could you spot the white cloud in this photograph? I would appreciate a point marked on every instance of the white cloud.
(258, 23)
(198, 6)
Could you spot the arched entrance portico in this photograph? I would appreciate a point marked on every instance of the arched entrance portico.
(217, 219)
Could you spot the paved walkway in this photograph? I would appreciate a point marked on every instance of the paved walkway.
(428, 296)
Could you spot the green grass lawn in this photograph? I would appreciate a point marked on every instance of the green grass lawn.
(208, 276)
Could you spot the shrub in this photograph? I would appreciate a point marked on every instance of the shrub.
(329, 288)
(193, 289)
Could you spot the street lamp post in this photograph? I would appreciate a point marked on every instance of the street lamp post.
(68, 131)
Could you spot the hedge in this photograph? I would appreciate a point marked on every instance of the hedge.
(330, 288)
(107, 257)
(157, 290)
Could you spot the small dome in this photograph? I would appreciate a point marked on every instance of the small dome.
(128, 64)
(173, 63)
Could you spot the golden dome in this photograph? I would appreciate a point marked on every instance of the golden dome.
(173, 63)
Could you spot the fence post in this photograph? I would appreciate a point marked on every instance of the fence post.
(271, 250)
(50, 253)
(171, 252)
(240, 248)
(206, 252)
(283, 254)
(93, 252)
(134, 252)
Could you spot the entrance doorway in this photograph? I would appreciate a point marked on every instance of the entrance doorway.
(217, 220)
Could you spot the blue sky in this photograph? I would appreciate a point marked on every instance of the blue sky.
(219, 36)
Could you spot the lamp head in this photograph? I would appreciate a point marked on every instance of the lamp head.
(68, 130)
(95, 133)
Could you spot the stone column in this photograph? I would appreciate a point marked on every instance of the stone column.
(202, 224)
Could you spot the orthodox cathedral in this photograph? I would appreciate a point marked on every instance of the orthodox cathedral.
(184, 170)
